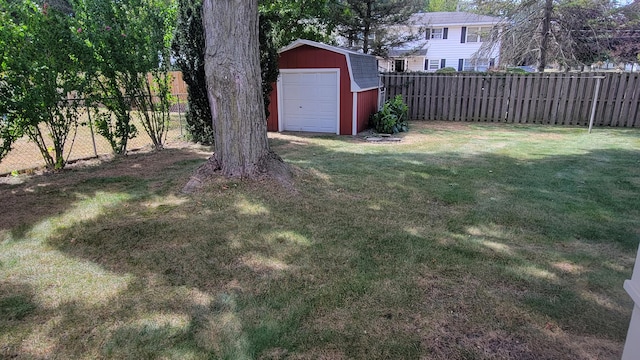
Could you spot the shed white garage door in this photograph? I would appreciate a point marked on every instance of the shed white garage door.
(309, 100)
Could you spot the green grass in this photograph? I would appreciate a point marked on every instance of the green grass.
(464, 241)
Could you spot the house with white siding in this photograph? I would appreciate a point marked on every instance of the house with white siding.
(451, 39)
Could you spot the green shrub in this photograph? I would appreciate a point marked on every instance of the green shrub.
(516, 71)
(393, 118)
(446, 70)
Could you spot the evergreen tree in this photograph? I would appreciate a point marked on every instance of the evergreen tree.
(188, 50)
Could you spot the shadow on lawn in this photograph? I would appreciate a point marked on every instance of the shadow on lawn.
(377, 256)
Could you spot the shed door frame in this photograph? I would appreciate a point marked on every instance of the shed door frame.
(301, 71)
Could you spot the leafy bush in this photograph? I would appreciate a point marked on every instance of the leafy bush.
(446, 70)
(393, 118)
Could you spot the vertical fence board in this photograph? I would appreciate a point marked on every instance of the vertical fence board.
(563, 101)
(513, 81)
(525, 89)
(519, 99)
(587, 100)
(426, 102)
(506, 104)
(537, 112)
(427, 90)
(415, 99)
(491, 98)
(457, 99)
(440, 85)
(626, 103)
(549, 99)
(495, 87)
(483, 87)
(429, 99)
(502, 99)
(574, 87)
(446, 105)
(474, 95)
(484, 102)
(435, 86)
(580, 102)
(443, 112)
(634, 117)
(600, 100)
(608, 99)
(619, 99)
(558, 98)
(464, 99)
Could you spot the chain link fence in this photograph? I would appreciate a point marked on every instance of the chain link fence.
(84, 142)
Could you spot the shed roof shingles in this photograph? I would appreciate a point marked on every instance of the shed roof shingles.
(365, 70)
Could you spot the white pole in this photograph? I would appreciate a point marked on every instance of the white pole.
(595, 101)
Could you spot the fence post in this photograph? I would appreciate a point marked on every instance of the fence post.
(93, 138)
(595, 101)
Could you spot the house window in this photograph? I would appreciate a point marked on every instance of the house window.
(398, 65)
(476, 65)
(434, 64)
(478, 34)
(437, 34)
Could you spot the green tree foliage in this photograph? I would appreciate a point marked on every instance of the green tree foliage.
(268, 58)
(297, 19)
(441, 5)
(10, 38)
(369, 24)
(188, 50)
(40, 72)
(153, 98)
(128, 39)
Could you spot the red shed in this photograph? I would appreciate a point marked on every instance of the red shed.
(323, 88)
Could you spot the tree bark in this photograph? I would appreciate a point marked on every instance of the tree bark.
(232, 68)
(546, 27)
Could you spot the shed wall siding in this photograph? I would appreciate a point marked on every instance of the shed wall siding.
(367, 105)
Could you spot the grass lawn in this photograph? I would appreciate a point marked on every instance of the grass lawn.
(464, 241)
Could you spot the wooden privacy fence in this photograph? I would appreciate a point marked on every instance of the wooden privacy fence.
(556, 98)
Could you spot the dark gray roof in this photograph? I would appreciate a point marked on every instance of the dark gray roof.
(363, 67)
(365, 70)
(451, 18)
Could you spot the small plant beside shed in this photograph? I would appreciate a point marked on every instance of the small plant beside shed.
(392, 118)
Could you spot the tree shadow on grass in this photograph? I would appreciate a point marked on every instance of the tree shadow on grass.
(41, 197)
(394, 255)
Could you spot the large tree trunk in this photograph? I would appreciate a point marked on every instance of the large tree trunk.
(232, 68)
(546, 27)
